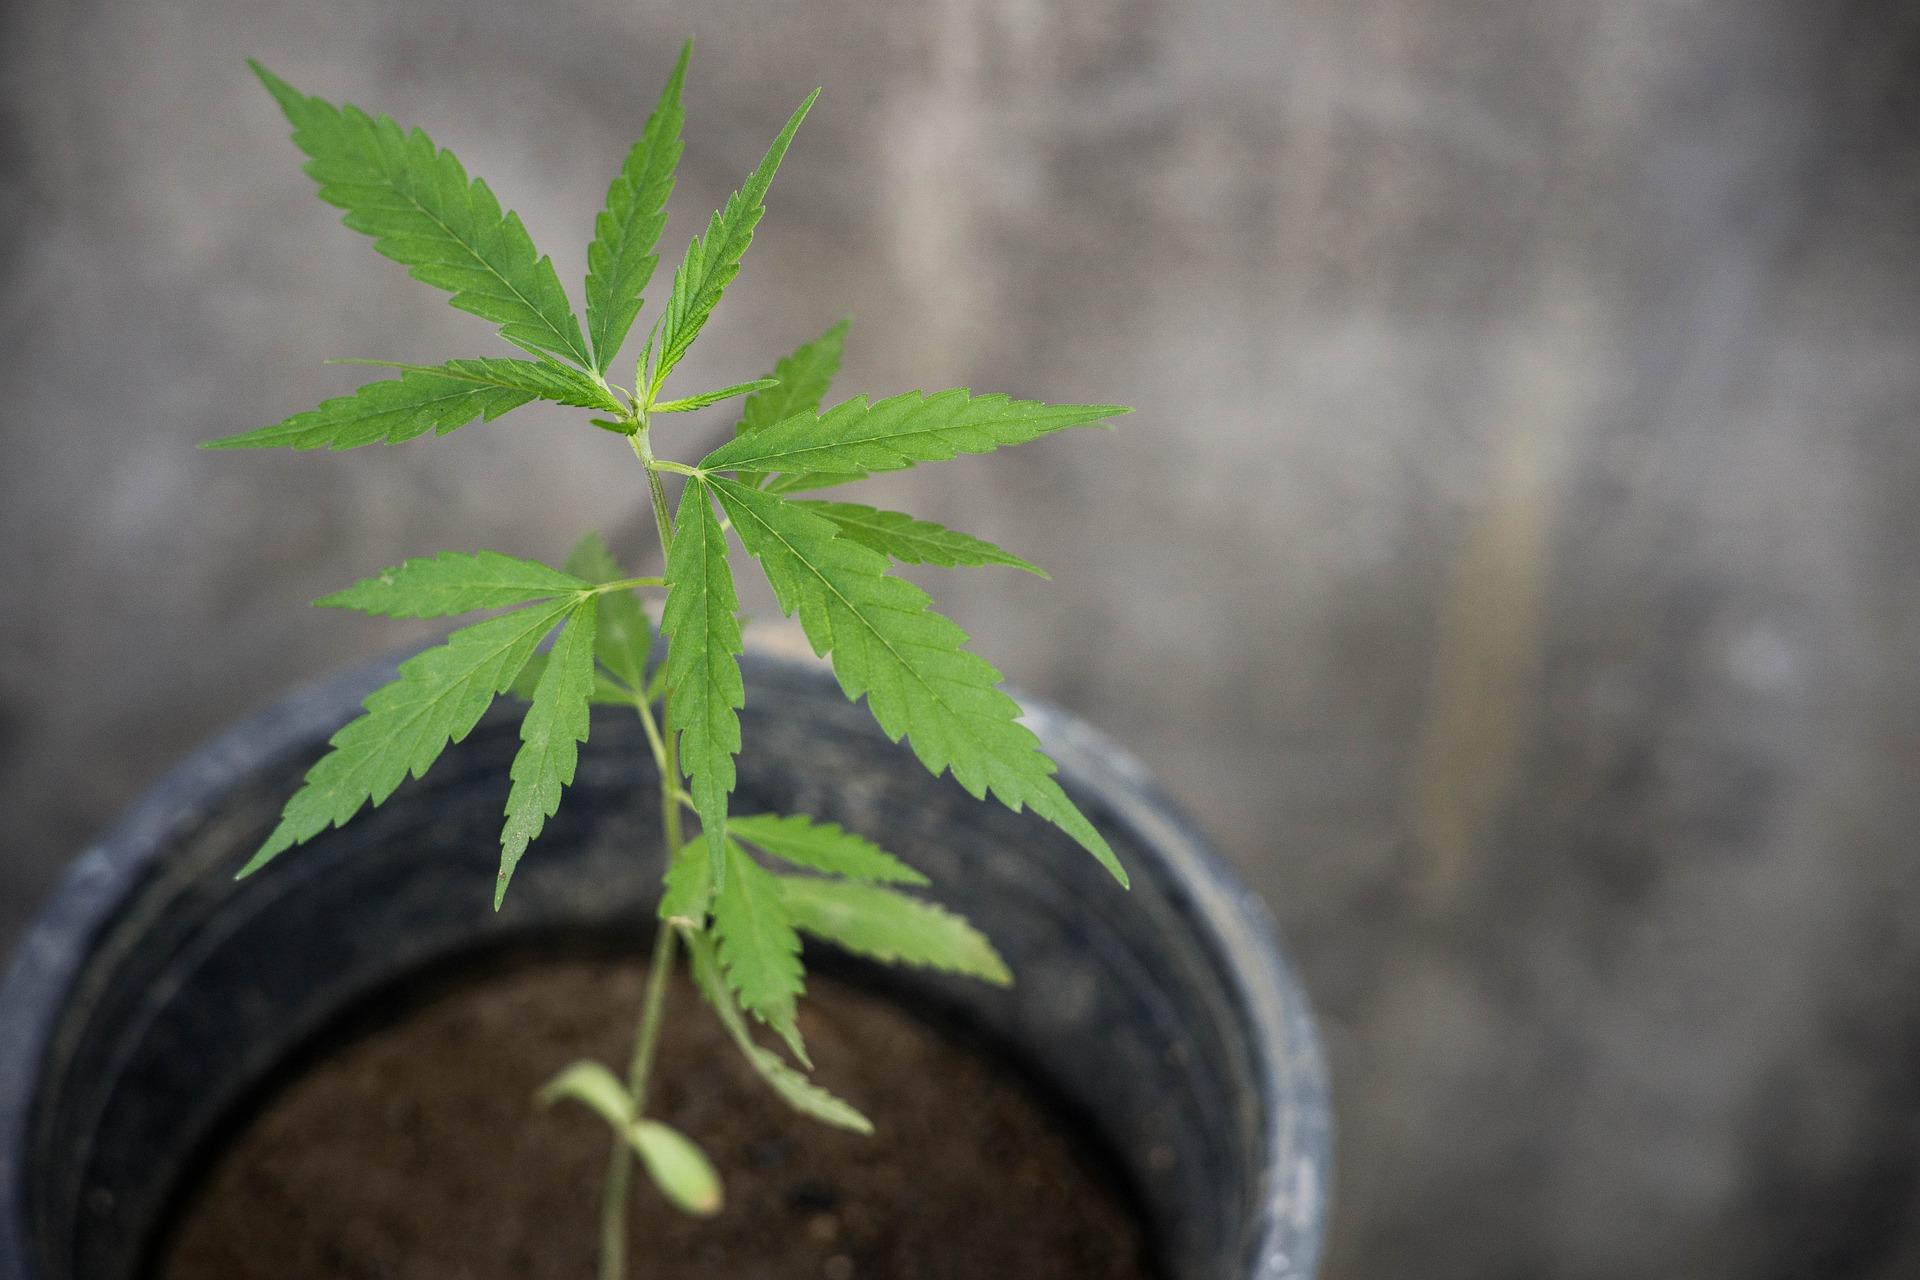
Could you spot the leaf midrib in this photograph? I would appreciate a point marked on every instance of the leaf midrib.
(386, 410)
(460, 240)
(759, 462)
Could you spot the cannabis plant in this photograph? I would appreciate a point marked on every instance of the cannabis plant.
(741, 888)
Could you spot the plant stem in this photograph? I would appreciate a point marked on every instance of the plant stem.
(613, 1203)
(613, 1213)
(646, 1043)
(643, 449)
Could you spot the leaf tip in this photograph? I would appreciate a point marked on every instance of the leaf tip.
(789, 1032)
(285, 94)
(678, 1168)
(244, 440)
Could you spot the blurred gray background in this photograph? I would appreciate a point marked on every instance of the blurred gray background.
(1513, 560)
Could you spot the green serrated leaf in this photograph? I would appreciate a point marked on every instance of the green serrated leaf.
(822, 846)
(590, 560)
(544, 379)
(607, 692)
(689, 882)
(689, 403)
(620, 261)
(625, 635)
(713, 261)
(855, 439)
(454, 582)
(801, 381)
(907, 660)
(679, 1168)
(703, 667)
(556, 724)
(890, 927)
(529, 678)
(439, 696)
(759, 951)
(794, 1088)
(899, 536)
(391, 412)
(806, 1097)
(418, 204)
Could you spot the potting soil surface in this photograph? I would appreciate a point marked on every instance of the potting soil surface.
(415, 1153)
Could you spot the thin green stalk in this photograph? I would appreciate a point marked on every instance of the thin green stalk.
(626, 584)
(654, 741)
(643, 449)
(613, 1213)
(647, 1041)
(613, 1204)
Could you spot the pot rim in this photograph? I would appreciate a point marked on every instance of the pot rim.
(1285, 1241)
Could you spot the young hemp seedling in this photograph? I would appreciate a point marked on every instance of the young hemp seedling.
(737, 917)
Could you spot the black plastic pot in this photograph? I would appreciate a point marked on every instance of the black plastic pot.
(155, 993)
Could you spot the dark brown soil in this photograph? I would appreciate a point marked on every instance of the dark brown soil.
(415, 1154)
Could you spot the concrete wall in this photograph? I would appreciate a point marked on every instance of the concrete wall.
(1513, 561)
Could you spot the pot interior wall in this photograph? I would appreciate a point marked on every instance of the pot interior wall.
(1162, 1013)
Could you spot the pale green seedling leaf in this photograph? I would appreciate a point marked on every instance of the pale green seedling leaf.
(890, 927)
(899, 536)
(390, 412)
(679, 1168)
(594, 1087)
(625, 636)
(454, 582)
(908, 661)
(794, 1088)
(438, 697)
(556, 724)
(713, 261)
(682, 1172)
(821, 846)
(705, 398)
(856, 439)
(759, 951)
(620, 261)
(422, 211)
(703, 667)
